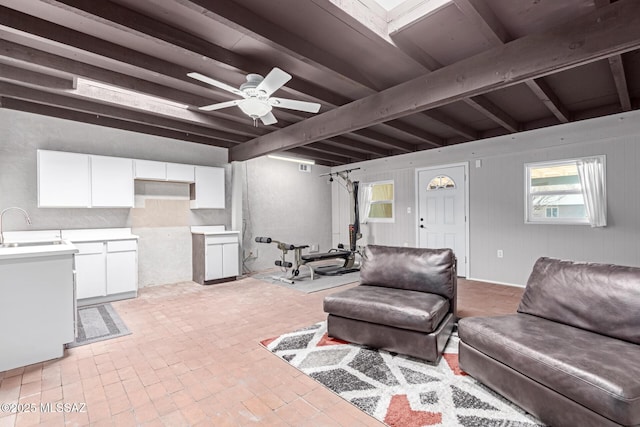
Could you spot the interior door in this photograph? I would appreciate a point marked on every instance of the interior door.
(441, 212)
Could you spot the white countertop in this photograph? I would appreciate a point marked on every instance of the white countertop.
(98, 234)
(64, 247)
(208, 230)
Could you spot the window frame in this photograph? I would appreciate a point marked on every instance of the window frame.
(528, 205)
(392, 201)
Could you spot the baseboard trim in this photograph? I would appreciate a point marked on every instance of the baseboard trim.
(495, 282)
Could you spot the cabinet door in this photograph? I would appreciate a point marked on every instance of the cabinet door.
(122, 272)
(63, 179)
(230, 260)
(213, 269)
(149, 169)
(180, 173)
(91, 276)
(111, 182)
(208, 190)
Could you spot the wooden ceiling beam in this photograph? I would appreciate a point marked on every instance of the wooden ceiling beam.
(385, 140)
(550, 99)
(78, 116)
(495, 113)
(43, 59)
(112, 14)
(620, 78)
(359, 146)
(483, 18)
(481, 15)
(119, 16)
(11, 73)
(245, 21)
(328, 148)
(617, 70)
(592, 37)
(314, 154)
(117, 112)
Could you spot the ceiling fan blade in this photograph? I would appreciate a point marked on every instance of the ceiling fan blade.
(292, 104)
(269, 119)
(274, 81)
(216, 83)
(220, 105)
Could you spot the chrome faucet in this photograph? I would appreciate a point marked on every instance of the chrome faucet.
(26, 217)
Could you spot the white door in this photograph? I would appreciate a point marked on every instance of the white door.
(441, 211)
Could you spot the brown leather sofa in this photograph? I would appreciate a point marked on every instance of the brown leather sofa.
(405, 302)
(571, 354)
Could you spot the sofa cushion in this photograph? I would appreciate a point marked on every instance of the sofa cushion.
(415, 269)
(602, 298)
(403, 309)
(598, 372)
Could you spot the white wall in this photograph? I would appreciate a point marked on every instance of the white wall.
(161, 217)
(496, 205)
(285, 204)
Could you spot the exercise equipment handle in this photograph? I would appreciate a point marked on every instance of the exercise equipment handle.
(284, 264)
(263, 239)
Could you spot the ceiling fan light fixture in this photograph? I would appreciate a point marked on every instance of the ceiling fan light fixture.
(254, 108)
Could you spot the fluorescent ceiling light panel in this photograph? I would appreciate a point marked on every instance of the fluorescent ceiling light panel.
(291, 159)
(110, 93)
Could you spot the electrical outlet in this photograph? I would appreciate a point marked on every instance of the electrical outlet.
(315, 247)
(409, 209)
(500, 253)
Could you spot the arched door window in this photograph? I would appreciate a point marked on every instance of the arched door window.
(441, 182)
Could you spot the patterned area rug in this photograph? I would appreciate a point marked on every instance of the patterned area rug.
(98, 323)
(398, 390)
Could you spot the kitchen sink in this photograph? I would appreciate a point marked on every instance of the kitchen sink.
(27, 244)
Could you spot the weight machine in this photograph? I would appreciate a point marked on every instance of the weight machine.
(304, 260)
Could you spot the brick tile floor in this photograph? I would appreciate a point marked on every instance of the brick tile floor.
(194, 359)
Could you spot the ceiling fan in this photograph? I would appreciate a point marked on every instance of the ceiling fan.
(257, 101)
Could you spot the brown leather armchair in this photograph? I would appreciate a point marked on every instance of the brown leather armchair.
(571, 354)
(405, 303)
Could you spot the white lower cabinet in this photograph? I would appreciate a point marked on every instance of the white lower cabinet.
(230, 259)
(221, 257)
(122, 266)
(106, 270)
(91, 275)
(215, 257)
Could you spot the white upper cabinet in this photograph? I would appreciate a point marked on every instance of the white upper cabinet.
(63, 179)
(111, 182)
(150, 169)
(208, 191)
(74, 180)
(178, 172)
